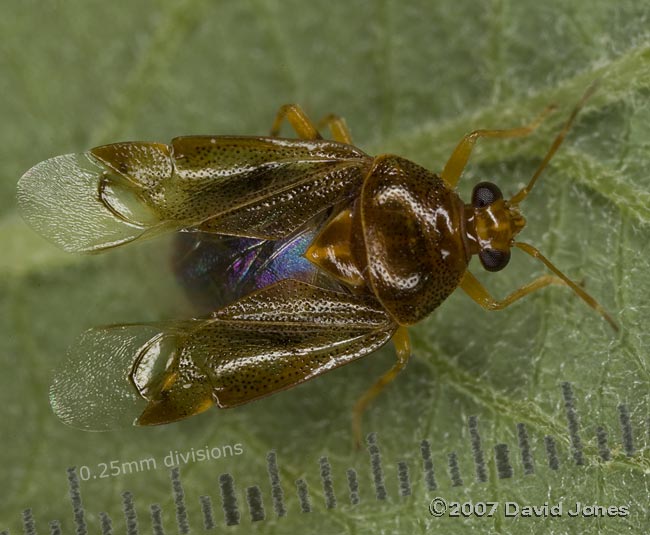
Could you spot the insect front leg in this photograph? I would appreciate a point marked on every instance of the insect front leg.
(298, 120)
(458, 159)
(472, 287)
(403, 350)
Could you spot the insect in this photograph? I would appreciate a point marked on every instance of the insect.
(326, 254)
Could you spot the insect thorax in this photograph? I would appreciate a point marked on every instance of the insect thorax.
(401, 239)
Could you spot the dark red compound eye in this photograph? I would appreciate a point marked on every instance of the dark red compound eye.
(484, 194)
(494, 259)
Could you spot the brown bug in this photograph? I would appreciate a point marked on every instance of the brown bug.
(331, 254)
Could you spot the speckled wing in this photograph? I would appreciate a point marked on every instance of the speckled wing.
(252, 187)
(268, 341)
(263, 187)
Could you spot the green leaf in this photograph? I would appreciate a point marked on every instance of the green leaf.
(410, 78)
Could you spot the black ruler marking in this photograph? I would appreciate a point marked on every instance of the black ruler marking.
(603, 448)
(55, 527)
(353, 485)
(427, 466)
(326, 479)
(454, 470)
(253, 494)
(77, 504)
(106, 524)
(207, 511)
(626, 430)
(477, 451)
(156, 519)
(573, 423)
(179, 501)
(29, 525)
(229, 499)
(129, 513)
(403, 479)
(551, 452)
(276, 488)
(303, 495)
(255, 504)
(502, 457)
(524, 449)
(376, 467)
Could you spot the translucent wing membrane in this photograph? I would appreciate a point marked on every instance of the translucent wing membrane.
(263, 188)
(92, 389)
(60, 198)
(270, 340)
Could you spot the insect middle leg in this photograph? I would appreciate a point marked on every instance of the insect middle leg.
(473, 288)
(458, 159)
(403, 349)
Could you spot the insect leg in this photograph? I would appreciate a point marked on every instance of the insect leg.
(458, 159)
(298, 120)
(338, 128)
(403, 350)
(472, 287)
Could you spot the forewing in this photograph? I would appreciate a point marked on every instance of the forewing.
(286, 334)
(261, 187)
(268, 341)
(243, 186)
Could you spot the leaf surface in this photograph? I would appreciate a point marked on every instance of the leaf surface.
(410, 78)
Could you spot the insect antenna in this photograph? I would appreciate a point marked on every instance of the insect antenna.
(532, 251)
(523, 193)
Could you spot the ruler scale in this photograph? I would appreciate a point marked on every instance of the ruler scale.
(403, 485)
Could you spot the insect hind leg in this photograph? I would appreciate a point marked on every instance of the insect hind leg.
(403, 350)
(337, 127)
(306, 129)
(298, 120)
